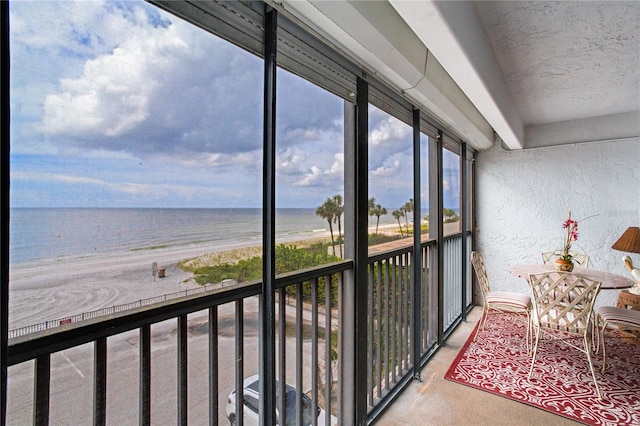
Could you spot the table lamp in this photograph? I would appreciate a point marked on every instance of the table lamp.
(630, 242)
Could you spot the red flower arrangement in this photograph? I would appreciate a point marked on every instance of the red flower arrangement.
(572, 235)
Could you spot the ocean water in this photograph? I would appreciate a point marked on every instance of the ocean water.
(50, 233)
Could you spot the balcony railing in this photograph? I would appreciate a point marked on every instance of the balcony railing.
(45, 325)
(183, 358)
(453, 258)
(391, 320)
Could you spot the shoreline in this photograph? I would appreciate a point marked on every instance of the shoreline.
(50, 289)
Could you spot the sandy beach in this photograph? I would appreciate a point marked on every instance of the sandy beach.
(53, 289)
(59, 288)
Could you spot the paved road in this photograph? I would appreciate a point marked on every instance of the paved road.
(72, 373)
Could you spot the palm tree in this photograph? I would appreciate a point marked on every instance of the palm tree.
(408, 208)
(449, 215)
(404, 214)
(338, 209)
(397, 214)
(377, 210)
(326, 211)
(372, 206)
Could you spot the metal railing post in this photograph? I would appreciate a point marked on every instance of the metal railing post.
(182, 371)
(435, 221)
(267, 296)
(4, 204)
(361, 183)
(417, 251)
(213, 366)
(463, 221)
(353, 298)
(41, 391)
(100, 382)
(145, 376)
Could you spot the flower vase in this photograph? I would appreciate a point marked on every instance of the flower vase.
(564, 265)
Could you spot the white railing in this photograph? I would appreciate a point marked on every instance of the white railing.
(46, 325)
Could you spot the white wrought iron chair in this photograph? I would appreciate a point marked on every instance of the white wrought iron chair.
(582, 260)
(563, 311)
(500, 301)
(627, 320)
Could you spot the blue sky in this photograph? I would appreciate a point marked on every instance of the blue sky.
(118, 104)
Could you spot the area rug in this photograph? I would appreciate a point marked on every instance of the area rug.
(497, 362)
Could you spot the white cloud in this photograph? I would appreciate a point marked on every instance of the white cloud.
(122, 84)
(131, 188)
(125, 76)
(388, 170)
(38, 24)
(113, 93)
(337, 168)
(290, 162)
(242, 160)
(331, 176)
(313, 177)
(389, 130)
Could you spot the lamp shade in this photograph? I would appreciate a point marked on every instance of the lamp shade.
(629, 241)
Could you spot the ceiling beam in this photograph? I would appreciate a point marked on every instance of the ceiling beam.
(381, 41)
(453, 32)
(592, 129)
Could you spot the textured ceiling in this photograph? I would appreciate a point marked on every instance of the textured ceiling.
(566, 60)
(536, 73)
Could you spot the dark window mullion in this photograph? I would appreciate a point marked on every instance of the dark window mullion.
(299, 352)
(267, 296)
(239, 331)
(464, 178)
(213, 365)
(41, 390)
(100, 382)
(182, 370)
(327, 354)
(5, 135)
(417, 250)
(314, 348)
(145, 376)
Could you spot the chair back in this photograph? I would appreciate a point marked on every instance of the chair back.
(481, 272)
(563, 301)
(581, 259)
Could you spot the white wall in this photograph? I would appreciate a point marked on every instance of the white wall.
(523, 197)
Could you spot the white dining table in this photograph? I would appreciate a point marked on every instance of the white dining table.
(609, 280)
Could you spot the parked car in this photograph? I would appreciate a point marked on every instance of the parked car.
(251, 405)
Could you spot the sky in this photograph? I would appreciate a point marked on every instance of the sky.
(119, 104)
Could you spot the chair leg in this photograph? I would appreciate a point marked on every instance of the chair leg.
(593, 373)
(529, 334)
(483, 319)
(604, 346)
(595, 337)
(535, 350)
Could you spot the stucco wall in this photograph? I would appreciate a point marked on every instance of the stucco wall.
(523, 197)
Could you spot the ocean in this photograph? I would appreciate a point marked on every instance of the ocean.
(53, 233)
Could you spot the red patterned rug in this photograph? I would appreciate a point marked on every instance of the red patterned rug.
(497, 362)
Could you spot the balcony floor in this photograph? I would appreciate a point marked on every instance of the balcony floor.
(436, 401)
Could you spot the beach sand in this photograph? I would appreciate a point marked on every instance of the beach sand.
(54, 289)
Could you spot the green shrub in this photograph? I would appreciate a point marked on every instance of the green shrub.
(288, 258)
(375, 239)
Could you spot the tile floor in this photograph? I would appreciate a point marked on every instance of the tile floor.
(438, 402)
